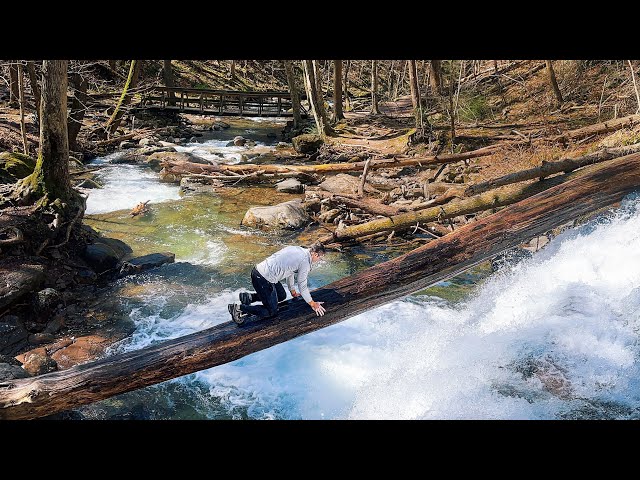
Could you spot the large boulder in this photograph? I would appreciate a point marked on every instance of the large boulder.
(18, 279)
(14, 166)
(105, 253)
(146, 262)
(154, 160)
(11, 372)
(290, 185)
(344, 184)
(46, 300)
(289, 215)
(307, 143)
(13, 336)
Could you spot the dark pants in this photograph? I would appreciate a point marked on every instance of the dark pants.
(266, 292)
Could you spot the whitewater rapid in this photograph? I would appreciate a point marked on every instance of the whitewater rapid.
(555, 336)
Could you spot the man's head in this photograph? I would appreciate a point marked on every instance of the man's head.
(317, 252)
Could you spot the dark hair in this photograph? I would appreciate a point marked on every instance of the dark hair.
(317, 248)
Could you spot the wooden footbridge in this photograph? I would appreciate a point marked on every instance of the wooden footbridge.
(218, 102)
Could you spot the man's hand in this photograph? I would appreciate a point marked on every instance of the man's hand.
(317, 307)
(294, 294)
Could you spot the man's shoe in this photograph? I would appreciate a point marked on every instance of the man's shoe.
(236, 314)
(245, 298)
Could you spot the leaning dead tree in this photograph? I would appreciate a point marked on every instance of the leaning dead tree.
(443, 258)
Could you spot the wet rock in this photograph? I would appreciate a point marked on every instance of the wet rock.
(10, 360)
(157, 158)
(239, 141)
(88, 183)
(290, 185)
(287, 215)
(510, 258)
(85, 276)
(199, 186)
(167, 144)
(18, 279)
(272, 135)
(13, 335)
(82, 350)
(193, 140)
(105, 253)
(145, 142)
(344, 184)
(282, 145)
(307, 143)
(38, 362)
(46, 300)
(221, 124)
(126, 145)
(146, 262)
(41, 338)
(11, 372)
(55, 325)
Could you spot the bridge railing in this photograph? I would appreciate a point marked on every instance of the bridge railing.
(220, 102)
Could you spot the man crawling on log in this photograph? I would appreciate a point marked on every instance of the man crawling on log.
(266, 276)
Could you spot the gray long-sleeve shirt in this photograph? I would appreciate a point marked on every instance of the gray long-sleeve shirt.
(286, 263)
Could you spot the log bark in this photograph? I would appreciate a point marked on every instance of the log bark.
(366, 204)
(188, 167)
(499, 197)
(599, 128)
(440, 259)
(550, 168)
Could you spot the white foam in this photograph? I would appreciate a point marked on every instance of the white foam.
(554, 337)
(125, 186)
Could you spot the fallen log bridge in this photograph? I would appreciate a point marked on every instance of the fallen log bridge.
(603, 185)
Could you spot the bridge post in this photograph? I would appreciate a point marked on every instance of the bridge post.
(279, 105)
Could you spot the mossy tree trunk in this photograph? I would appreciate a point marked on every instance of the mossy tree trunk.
(295, 93)
(50, 178)
(337, 91)
(125, 98)
(35, 88)
(551, 75)
(374, 88)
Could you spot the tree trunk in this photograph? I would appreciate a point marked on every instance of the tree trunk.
(492, 199)
(112, 65)
(413, 85)
(321, 110)
(125, 98)
(635, 85)
(50, 179)
(78, 109)
(14, 94)
(311, 87)
(346, 86)
(25, 143)
(551, 74)
(374, 88)
(435, 76)
(436, 261)
(551, 168)
(337, 91)
(167, 75)
(245, 168)
(233, 70)
(35, 89)
(295, 93)
(599, 128)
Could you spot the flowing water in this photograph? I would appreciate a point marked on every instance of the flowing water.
(554, 336)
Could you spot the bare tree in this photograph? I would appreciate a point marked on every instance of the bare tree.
(35, 89)
(25, 144)
(233, 70)
(132, 80)
(346, 85)
(635, 85)
(551, 75)
(413, 84)
(295, 93)
(78, 108)
(50, 178)
(320, 94)
(14, 93)
(435, 76)
(337, 91)
(311, 87)
(167, 75)
(374, 88)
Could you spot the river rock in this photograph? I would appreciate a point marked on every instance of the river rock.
(344, 184)
(14, 166)
(85, 276)
(46, 300)
(307, 143)
(11, 372)
(288, 215)
(290, 185)
(82, 350)
(18, 279)
(167, 144)
(38, 362)
(146, 262)
(239, 141)
(40, 338)
(105, 253)
(55, 325)
(145, 142)
(13, 335)
(196, 186)
(126, 145)
(89, 184)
